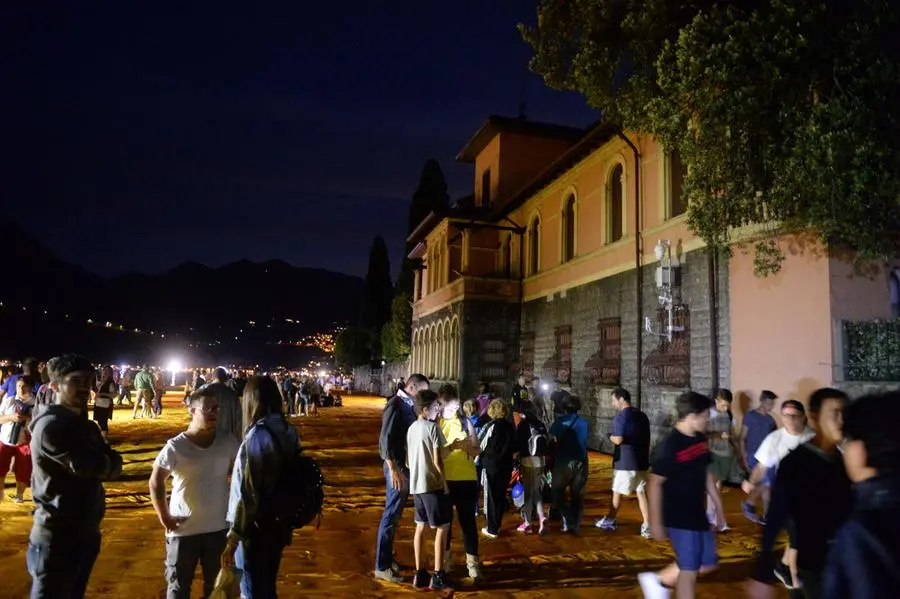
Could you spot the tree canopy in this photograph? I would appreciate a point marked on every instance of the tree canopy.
(784, 111)
(430, 195)
(378, 289)
(396, 333)
(353, 347)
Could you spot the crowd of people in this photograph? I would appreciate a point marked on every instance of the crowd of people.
(830, 477)
(227, 469)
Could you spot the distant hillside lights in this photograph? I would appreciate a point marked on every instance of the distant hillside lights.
(322, 341)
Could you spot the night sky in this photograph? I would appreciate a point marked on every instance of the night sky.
(136, 139)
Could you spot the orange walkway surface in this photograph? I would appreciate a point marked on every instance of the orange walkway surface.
(337, 560)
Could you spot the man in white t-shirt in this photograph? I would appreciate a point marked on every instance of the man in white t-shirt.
(779, 443)
(199, 462)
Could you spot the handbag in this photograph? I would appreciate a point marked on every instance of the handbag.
(228, 585)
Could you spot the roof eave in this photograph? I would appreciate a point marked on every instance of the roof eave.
(602, 133)
(475, 144)
(426, 225)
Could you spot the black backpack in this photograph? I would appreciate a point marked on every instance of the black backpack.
(298, 494)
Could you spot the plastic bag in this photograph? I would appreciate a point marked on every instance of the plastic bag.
(228, 585)
(518, 494)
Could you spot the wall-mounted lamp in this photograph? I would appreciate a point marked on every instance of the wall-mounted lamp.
(668, 283)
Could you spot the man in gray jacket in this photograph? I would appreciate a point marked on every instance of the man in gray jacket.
(71, 461)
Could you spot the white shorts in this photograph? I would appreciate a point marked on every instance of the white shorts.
(626, 482)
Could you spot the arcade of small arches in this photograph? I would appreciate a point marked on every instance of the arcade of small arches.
(435, 349)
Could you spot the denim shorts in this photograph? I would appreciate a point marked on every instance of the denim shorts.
(693, 548)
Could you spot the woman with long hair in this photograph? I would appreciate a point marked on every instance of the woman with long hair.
(255, 543)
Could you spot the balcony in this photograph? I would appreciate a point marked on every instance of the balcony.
(489, 288)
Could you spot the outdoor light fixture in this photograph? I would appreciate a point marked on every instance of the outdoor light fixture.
(174, 366)
(668, 284)
(545, 387)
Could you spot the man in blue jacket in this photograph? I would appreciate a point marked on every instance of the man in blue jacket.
(398, 415)
(71, 461)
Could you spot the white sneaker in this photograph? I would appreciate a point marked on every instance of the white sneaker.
(652, 586)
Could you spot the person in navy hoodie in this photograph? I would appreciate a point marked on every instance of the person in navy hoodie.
(395, 420)
(864, 561)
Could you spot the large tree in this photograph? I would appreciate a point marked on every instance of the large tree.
(353, 347)
(784, 111)
(396, 333)
(377, 293)
(430, 195)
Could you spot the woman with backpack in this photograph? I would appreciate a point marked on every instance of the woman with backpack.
(461, 476)
(497, 441)
(532, 442)
(258, 534)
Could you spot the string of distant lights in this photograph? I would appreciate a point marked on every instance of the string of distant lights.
(322, 341)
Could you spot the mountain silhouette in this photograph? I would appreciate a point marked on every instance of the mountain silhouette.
(261, 304)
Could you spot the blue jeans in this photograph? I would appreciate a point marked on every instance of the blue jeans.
(61, 569)
(259, 560)
(394, 502)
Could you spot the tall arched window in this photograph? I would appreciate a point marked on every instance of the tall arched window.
(568, 229)
(454, 348)
(895, 294)
(616, 204)
(534, 246)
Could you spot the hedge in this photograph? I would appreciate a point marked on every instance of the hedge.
(872, 350)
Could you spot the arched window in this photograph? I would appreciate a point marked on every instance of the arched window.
(616, 204)
(895, 294)
(441, 362)
(568, 229)
(534, 246)
(454, 349)
(429, 352)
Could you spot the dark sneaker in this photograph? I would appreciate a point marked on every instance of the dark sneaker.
(421, 580)
(749, 512)
(783, 573)
(439, 581)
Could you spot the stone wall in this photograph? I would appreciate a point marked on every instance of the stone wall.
(488, 328)
(377, 381)
(857, 389)
(582, 307)
(481, 321)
